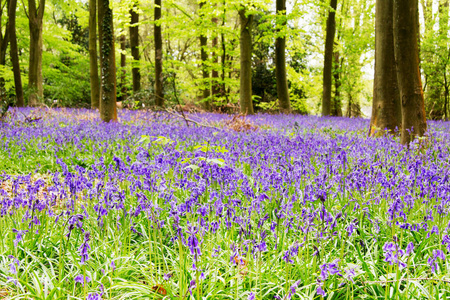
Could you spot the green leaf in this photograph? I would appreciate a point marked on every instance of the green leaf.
(193, 167)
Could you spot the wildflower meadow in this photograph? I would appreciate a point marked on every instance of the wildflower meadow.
(214, 207)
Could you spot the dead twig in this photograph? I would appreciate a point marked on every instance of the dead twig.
(186, 119)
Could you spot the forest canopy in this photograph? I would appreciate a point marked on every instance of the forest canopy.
(200, 59)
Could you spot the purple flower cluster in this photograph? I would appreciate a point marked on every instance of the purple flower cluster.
(297, 190)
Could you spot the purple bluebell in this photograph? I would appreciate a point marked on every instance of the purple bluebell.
(80, 279)
(84, 248)
(19, 236)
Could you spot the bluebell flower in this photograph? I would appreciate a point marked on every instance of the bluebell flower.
(433, 261)
(84, 248)
(410, 248)
(251, 296)
(320, 291)
(80, 279)
(19, 236)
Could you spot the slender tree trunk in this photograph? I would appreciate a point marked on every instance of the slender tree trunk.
(123, 64)
(280, 61)
(204, 57)
(386, 108)
(328, 59)
(93, 62)
(337, 101)
(134, 44)
(408, 72)
(108, 108)
(245, 93)
(443, 36)
(445, 97)
(35, 83)
(4, 41)
(159, 97)
(431, 89)
(223, 89)
(14, 52)
(215, 84)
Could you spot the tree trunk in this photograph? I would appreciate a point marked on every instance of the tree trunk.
(93, 62)
(14, 53)
(159, 97)
(134, 44)
(280, 61)
(35, 83)
(204, 57)
(443, 36)
(223, 89)
(386, 108)
(215, 84)
(408, 72)
(245, 93)
(4, 40)
(123, 64)
(446, 88)
(337, 101)
(108, 109)
(328, 59)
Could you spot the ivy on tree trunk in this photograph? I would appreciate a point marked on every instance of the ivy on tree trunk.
(108, 109)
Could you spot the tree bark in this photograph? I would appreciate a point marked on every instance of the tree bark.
(328, 59)
(337, 101)
(223, 89)
(93, 62)
(386, 107)
(108, 109)
(280, 61)
(134, 44)
(159, 97)
(204, 58)
(14, 52)
(123, 64)
(4, 41)
(443, 32)
(35, 83)
(215, 84)
(245, 93)
(408, 72)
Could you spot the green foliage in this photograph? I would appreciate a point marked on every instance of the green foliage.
(435, 45)
(7, 75)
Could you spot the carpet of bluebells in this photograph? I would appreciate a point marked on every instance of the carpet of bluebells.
(294, 207)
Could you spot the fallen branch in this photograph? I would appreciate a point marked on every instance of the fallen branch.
(186, 119)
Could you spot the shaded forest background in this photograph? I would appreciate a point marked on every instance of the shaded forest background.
(201, 57)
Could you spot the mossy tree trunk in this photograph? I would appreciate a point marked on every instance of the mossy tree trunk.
(245, 93)
(14, 52)
(280, 61)
(159, 96)
(35, 81)
(215, 84)
(123, 71)
(4, 41)
(93, 61)
(134, 44)
(204, 58)
(108, 109)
